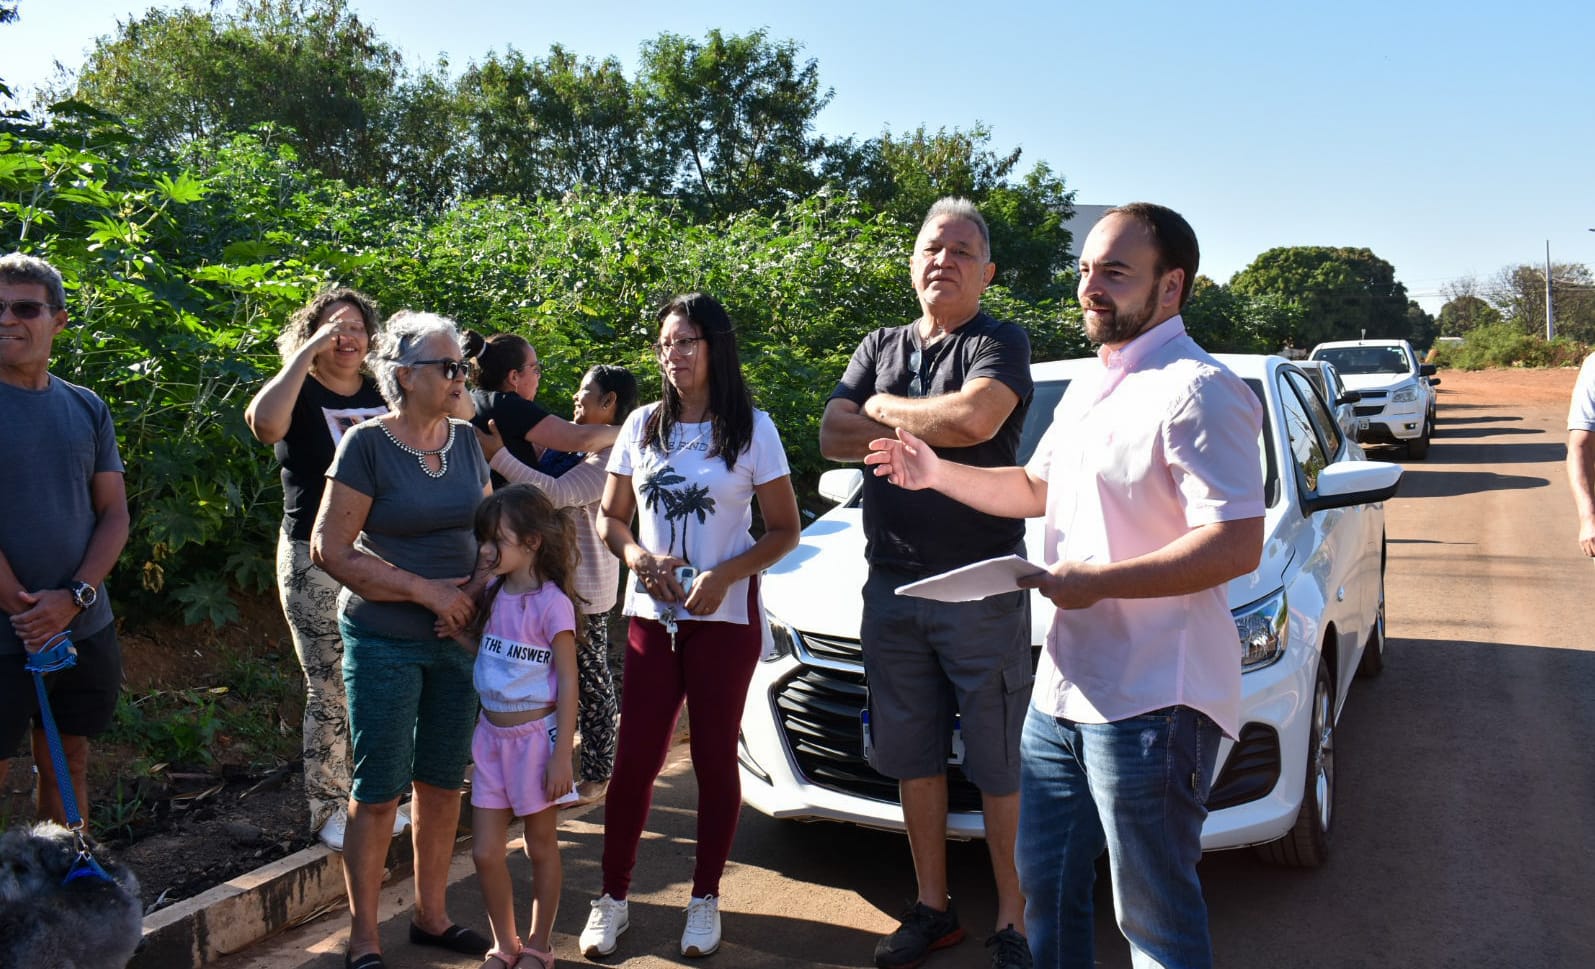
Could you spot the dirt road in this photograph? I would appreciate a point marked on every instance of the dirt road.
(1465, 826)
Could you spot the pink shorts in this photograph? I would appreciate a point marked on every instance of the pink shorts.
(510, 764)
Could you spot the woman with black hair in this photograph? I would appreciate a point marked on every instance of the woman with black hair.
(575, 482)
(507, 375)
(687, 468)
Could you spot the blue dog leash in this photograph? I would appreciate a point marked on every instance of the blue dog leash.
(60, 654)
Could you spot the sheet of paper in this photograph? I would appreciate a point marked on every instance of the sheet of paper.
(971, 582)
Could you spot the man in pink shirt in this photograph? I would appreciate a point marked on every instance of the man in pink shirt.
(1151, 483)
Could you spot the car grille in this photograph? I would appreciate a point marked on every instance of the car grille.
(817, 710)
(1251, 771)
(1373, 411)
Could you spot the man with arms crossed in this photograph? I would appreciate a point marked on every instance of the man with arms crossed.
(1150, 481)
(1581, 453)
(960, 381)
(64, 524)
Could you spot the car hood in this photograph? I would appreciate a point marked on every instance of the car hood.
(828, 600)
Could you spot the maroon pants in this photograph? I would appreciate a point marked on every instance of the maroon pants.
(709, 668)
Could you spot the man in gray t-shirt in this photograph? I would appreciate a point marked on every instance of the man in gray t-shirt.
(64, 525)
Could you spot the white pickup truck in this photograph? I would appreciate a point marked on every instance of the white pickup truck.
(1396, 389)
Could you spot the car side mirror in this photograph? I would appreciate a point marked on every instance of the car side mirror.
(841, 484)
(1434, 381)
(1353, 483)
(1426, 370)
(1348, 397)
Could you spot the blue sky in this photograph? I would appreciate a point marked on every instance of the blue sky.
(1451, 139)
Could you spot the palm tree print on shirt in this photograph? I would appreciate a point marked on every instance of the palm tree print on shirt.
(694, 500)
(659, 494)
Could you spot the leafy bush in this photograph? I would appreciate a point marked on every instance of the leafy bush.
(1505, 345)
(181, 270)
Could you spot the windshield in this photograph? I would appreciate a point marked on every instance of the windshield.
(1365, 360)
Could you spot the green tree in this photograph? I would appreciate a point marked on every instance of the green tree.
(734, 117)
(1518, 293)
(902, 175)
(1225, 321)
(311, 66)
(542, 127)
(1344, 293)
(1463, 312)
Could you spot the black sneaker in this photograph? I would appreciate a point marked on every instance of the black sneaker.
(1009, 950)
(923, 930)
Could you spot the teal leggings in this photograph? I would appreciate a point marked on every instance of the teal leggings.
(412, 707)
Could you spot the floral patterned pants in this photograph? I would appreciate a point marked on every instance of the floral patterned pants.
(598, 710)
(310, 604)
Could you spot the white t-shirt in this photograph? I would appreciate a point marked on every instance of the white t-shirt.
(1581, 415)
(691, 505)
(515, 664)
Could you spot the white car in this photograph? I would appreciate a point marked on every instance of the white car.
(1342, 401)
(1397, 389)
(1307, 620)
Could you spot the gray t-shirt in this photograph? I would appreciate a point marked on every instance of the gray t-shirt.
(418, 523)
(55, 440)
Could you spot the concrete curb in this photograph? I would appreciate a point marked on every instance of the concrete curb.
(236, 914)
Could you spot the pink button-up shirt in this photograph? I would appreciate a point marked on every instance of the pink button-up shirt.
(1162, 440)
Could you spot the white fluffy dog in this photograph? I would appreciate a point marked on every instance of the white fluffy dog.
(88, 922)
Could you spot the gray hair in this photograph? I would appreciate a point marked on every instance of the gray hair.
(401, 343)
(20, 269)
(958, 207)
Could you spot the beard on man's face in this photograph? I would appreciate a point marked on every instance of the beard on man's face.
(1115, 325)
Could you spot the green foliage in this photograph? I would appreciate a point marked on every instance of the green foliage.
(1504, 345)
(1344, 293)
(1223, 320)
(732, 115)
(1464, 313)
(904, 175)
(1519, 295)
(310, 65)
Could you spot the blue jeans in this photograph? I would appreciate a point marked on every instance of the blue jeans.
(1137, 789)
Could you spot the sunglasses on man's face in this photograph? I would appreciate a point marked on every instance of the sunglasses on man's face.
(452, 369)
(25, 309)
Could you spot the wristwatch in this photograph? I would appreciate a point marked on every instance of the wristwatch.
(83, 595)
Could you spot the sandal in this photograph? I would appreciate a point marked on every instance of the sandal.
(371, 960)
(540, 959)
(455, 938)
(499, 959)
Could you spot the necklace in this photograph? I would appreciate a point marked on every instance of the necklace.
(442, 453)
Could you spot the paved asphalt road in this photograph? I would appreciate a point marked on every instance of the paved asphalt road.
(1465, 828)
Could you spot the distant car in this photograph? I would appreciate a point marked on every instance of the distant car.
(1306, 620)
(1341, 400)
(1398, 398)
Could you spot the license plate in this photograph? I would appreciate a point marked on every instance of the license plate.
(1362, 424)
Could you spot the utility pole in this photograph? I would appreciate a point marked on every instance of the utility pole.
(1550, 324)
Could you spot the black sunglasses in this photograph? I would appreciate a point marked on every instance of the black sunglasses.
(25, 309)
(452, 369)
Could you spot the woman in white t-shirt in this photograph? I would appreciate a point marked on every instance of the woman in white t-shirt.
(688, 468)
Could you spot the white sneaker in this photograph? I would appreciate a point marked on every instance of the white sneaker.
(401, 820)
(333, 830)
(702, 934)
(605, 922)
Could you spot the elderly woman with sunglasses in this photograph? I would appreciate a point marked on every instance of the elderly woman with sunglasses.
(395, 528)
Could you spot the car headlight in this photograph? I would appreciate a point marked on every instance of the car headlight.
(784, 645)
(1263, 628)
(1406, 395)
